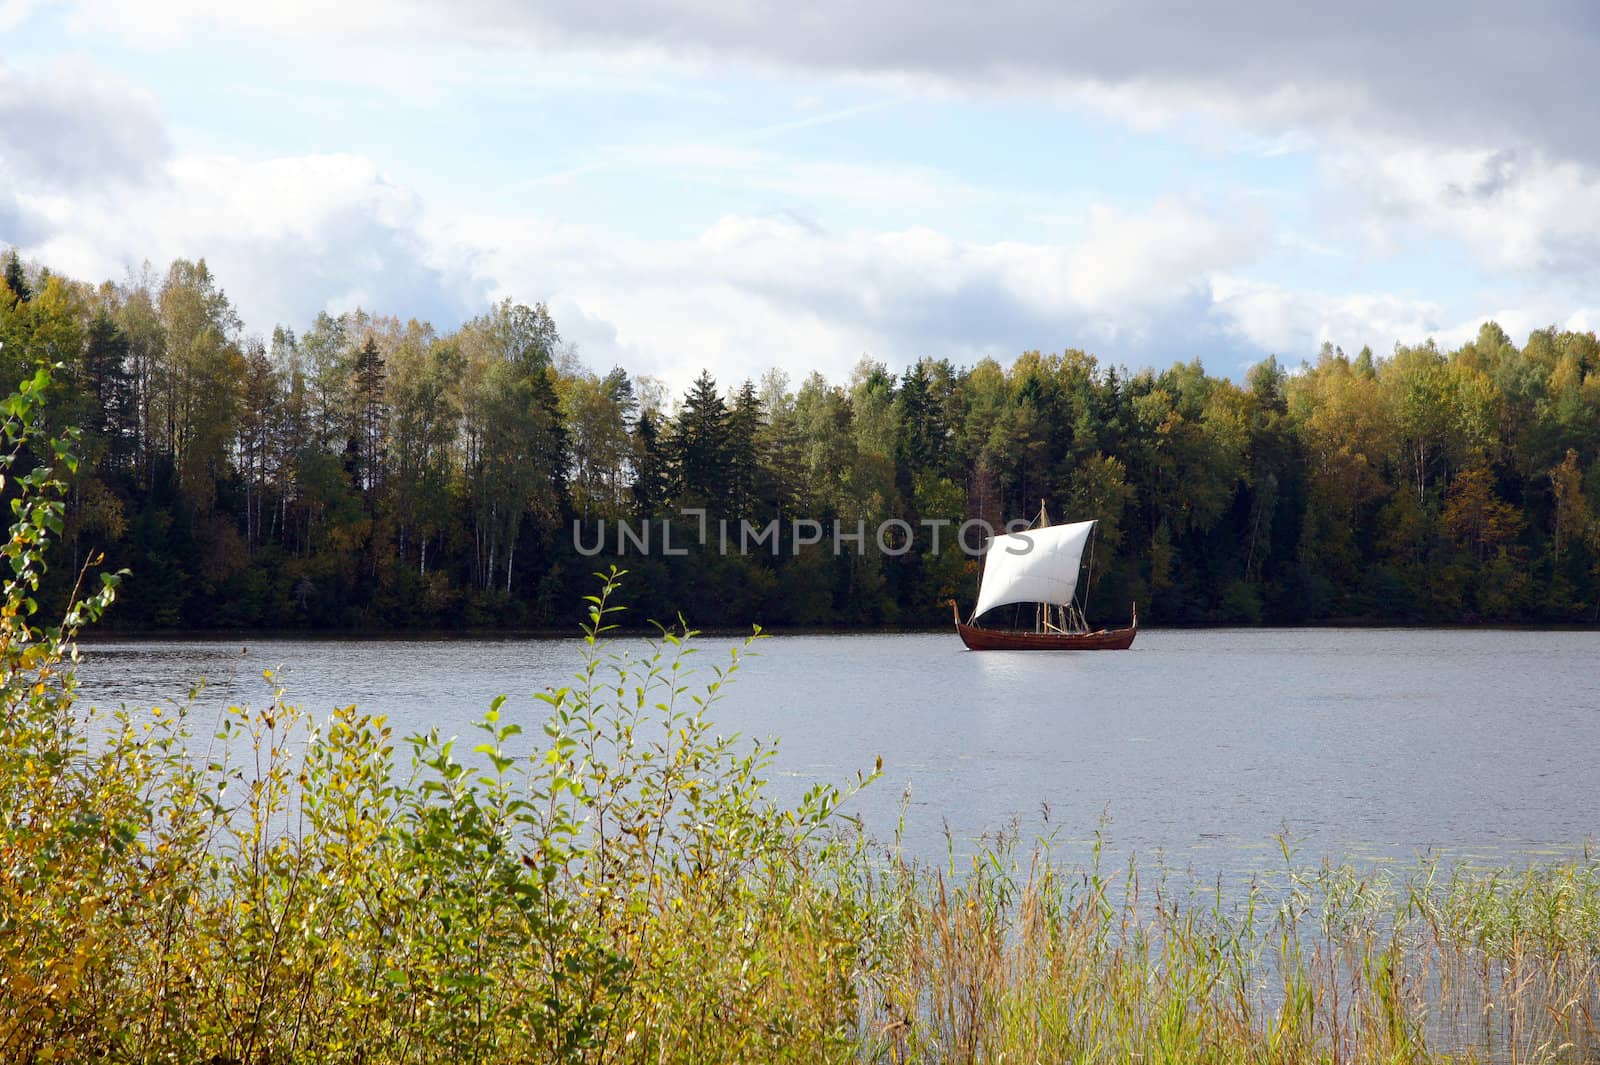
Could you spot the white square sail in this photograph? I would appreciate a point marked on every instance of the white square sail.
(1038, 566)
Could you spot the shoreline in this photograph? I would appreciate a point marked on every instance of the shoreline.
(109, 634)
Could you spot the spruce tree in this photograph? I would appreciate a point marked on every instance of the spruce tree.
(16, 280)
(703, 447)
(651, 467)
(554, 446)
(744, 458)
(914, 445)
(110, 417)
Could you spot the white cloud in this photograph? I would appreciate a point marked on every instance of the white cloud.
(160, 23)
(747, 292)
(1457, 71)
(1436, 92)
(71, 126)
(286, 236)
(1519, 202)
(899, 277)
(1132, 261)
(1519, 211)
(1297, 323)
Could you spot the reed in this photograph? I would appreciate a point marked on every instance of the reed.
(1064, 965)
(618, 885)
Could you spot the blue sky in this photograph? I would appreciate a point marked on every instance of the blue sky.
(736, 186)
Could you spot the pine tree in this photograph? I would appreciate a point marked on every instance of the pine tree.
(16, 280)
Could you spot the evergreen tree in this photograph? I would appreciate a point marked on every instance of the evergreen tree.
(744, 458)
(551, 438)
(652, 467)
(702, 448)
(781, 473)
(246, 484)
(915, 444)
(1267, 383)
(16, 280)
(619, 389)
(110, 418)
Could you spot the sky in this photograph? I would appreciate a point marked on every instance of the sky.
(738, 185)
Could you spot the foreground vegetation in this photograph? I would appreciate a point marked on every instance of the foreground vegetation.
(373, 471)
(620, 887)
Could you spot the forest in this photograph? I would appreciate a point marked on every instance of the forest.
(371, 472)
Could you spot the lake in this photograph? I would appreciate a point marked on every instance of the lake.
(1193, 749)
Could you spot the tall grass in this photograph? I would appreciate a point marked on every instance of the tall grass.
(618, 885)
(1052, 964)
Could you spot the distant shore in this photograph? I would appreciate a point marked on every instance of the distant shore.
(110, 634)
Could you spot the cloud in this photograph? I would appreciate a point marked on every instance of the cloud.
(1297, 323)
(1519, 210)
(1480, 98)
(1478, 71)
(1466, 72)
(72, 127)
(159, 23)
(1470, 121)
(92, 187)
(287, 236)
(895, 267)
(747, 292)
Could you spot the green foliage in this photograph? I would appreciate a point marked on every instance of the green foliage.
(69, 821)
(375, 473)
(702, 448)
(16, 282)
(620, 887)
(617, 887)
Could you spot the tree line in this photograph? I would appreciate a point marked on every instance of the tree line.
(370, 472)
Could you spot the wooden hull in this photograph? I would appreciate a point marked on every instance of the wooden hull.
(978, 639)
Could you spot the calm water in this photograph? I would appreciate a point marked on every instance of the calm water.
(1198, 747)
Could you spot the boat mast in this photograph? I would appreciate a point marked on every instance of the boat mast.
(1088, 579)
(1041, 614)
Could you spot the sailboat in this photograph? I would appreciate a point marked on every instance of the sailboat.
(1038, 569)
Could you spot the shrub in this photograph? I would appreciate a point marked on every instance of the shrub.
(621, 889)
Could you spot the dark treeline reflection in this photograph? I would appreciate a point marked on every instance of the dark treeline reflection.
(374, 472)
